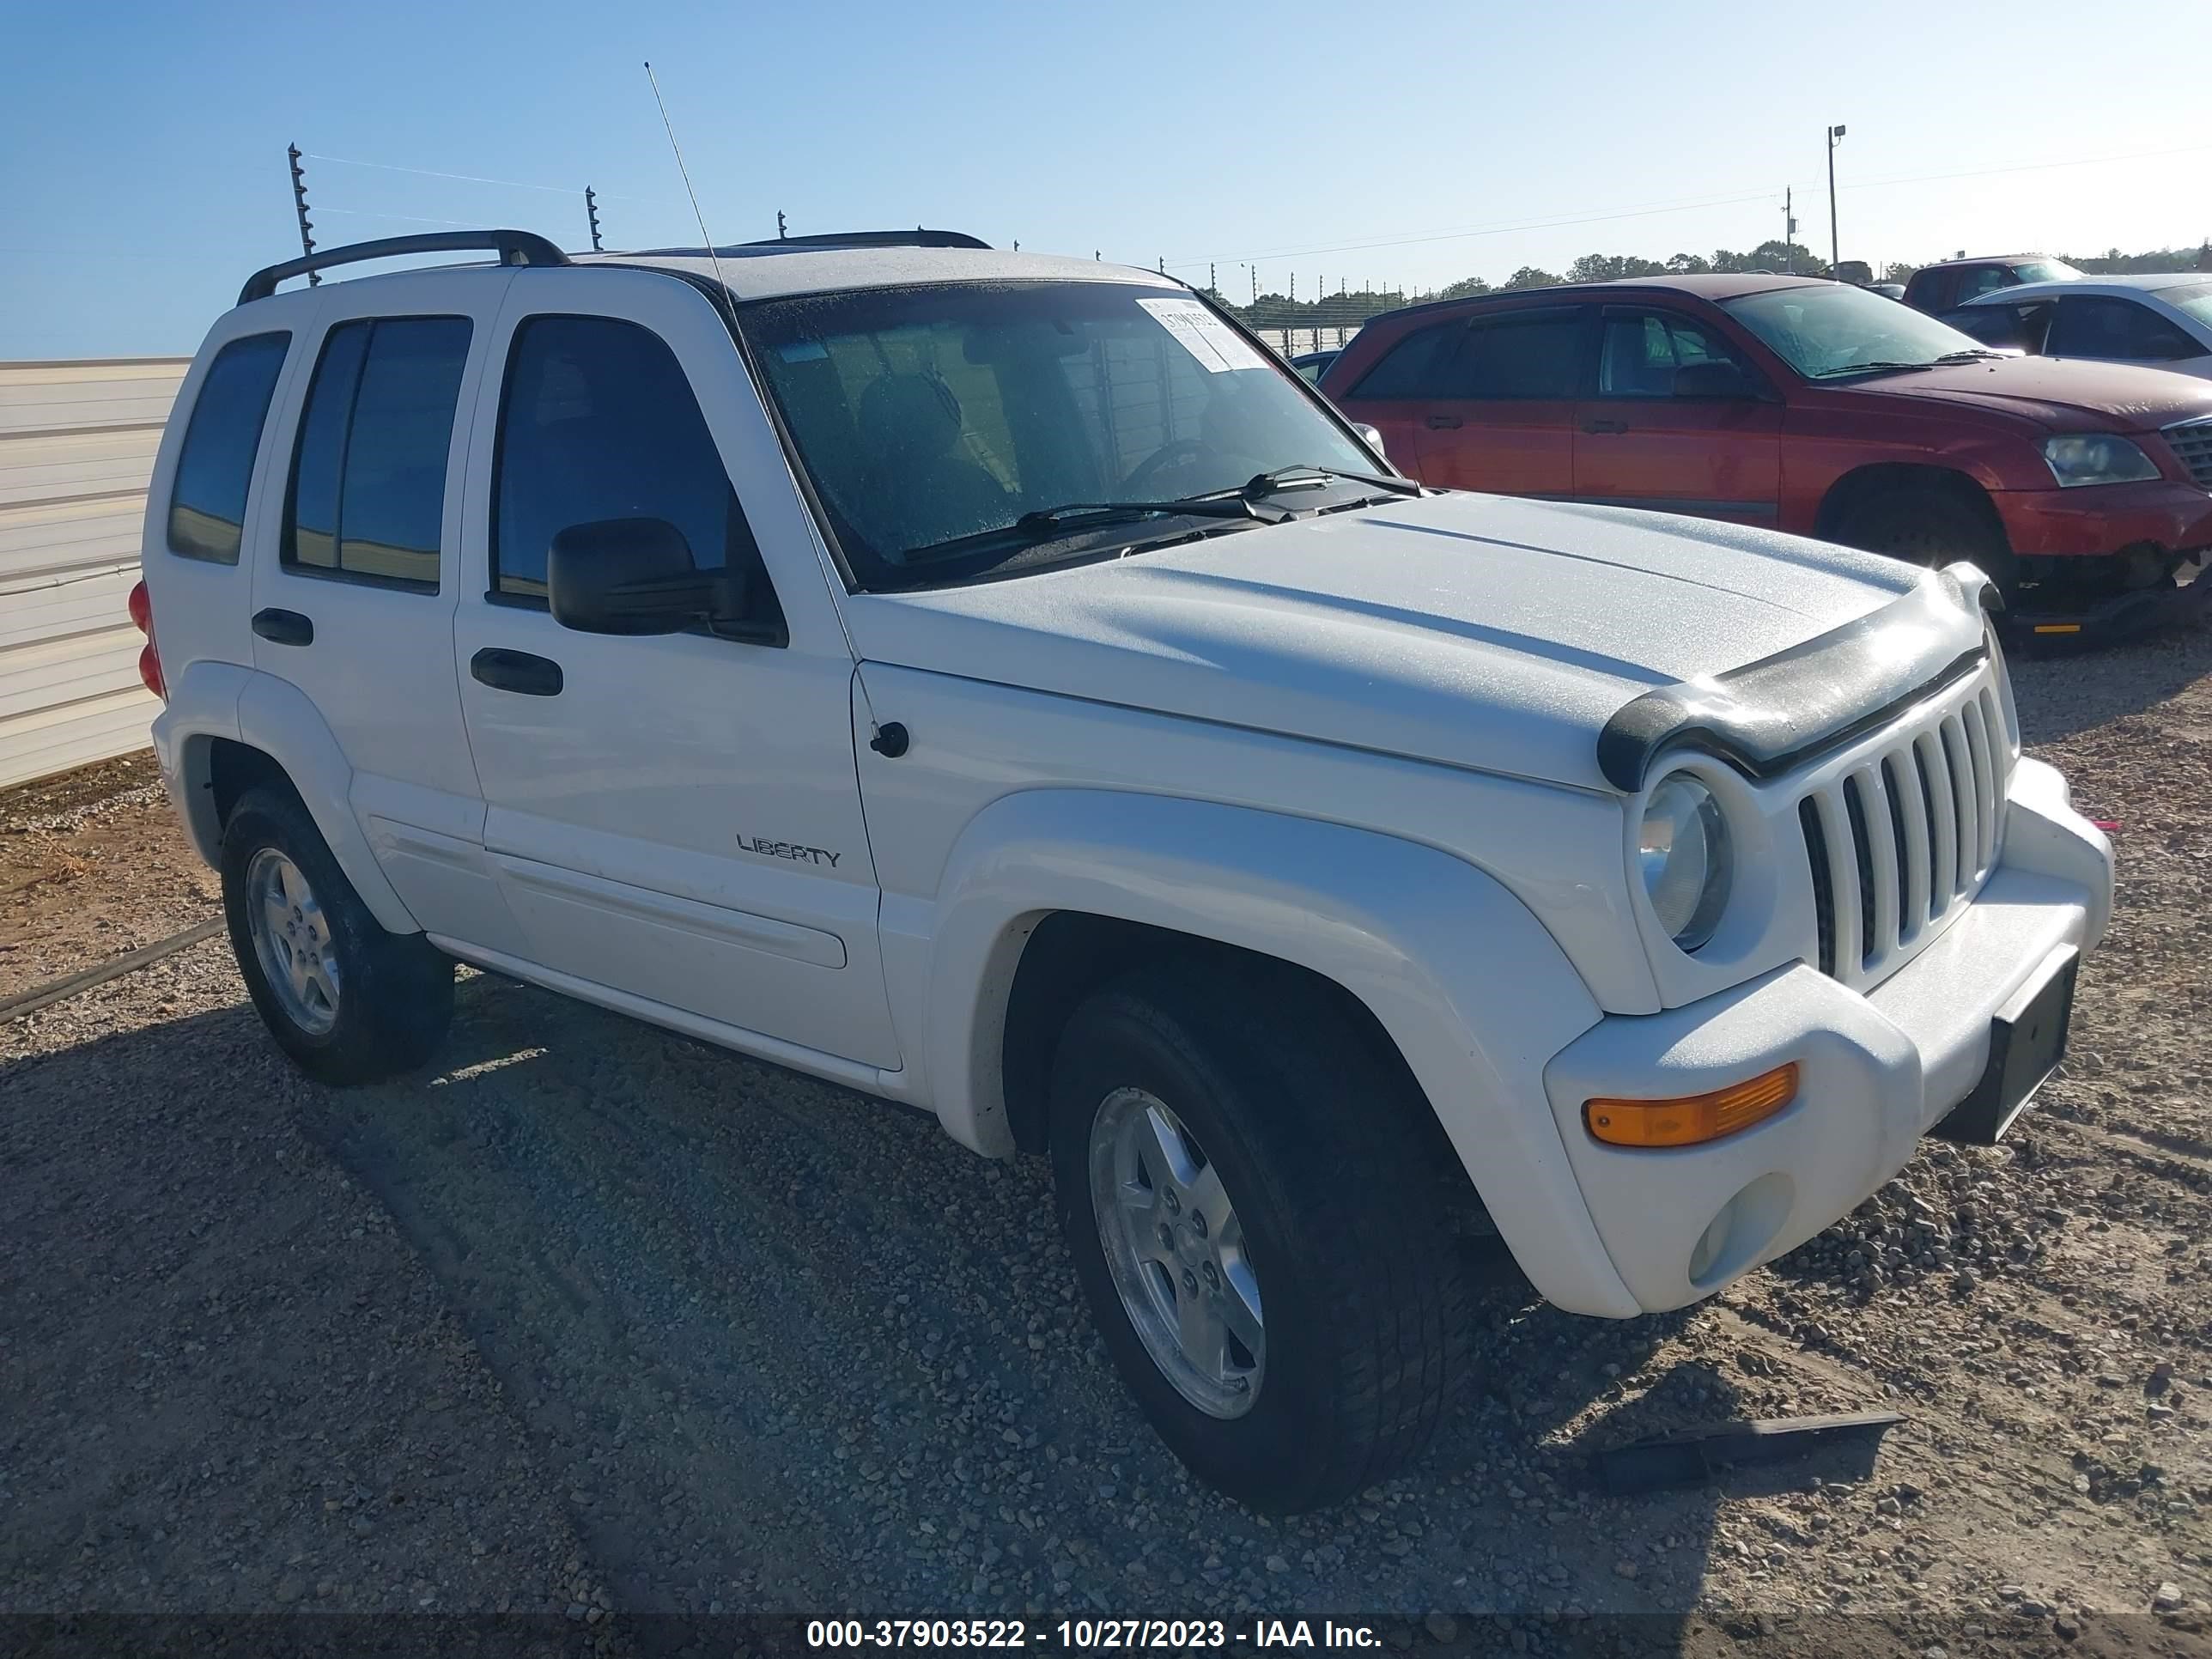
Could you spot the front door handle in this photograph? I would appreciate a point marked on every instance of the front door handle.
(1605, 426)
(1442, 423)
(517, 671)
(284, 627)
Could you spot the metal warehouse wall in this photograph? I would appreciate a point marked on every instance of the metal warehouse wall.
(76, 448)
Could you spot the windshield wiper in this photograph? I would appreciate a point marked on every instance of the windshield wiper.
(1072, 518)
(1973, 355)
(1232, 504)
(1870, 367)
(1299, 474)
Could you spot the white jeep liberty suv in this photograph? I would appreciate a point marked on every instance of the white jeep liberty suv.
(998, 684)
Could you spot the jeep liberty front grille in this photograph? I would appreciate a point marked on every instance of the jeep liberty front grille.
(1898, 841)
(2192, 442)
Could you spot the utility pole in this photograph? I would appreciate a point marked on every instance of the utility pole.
(1211, 287)
(779, 233)
(592, 214)
(1789, 235)
(299, 209)
(1835, 246)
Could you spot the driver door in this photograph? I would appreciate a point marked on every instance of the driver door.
(1642, 440)
(672, 818)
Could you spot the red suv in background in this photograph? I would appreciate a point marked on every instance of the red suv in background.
(1806, 406)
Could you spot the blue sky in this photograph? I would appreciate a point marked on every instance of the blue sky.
(142, 145)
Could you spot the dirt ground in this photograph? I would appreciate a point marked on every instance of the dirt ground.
(596, 1322)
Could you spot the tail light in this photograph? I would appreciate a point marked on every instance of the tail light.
(150, 660)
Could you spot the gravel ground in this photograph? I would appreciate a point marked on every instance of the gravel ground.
(596, 1318)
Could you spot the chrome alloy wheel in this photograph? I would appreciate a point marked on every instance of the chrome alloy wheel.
(1176, 1252)
(292, 938)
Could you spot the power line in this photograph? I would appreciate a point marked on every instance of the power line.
(403, 218)
(1502, 227)
(1679, 204)
(477, 179)
(2030, 166)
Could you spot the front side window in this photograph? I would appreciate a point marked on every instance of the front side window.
(1641, 352)
(2116, 330)
(207, 505)
(598, 421)
(368, 496)
(1825, 330)
(949, 430)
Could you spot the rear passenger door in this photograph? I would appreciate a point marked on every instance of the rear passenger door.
(675, 818)
(1652, 437)
(353, 601)
(1498, 411)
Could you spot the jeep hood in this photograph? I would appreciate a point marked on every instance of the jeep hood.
(1471, 630)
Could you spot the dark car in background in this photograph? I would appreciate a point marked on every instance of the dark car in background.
(1951, 283)
(1805, 405)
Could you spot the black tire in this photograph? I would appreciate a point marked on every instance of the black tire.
(396, 990)
(1319, 1142)
(1923, 525)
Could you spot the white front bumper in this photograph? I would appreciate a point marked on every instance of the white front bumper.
(1876, 1069)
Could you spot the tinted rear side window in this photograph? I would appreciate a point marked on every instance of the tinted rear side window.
(367, 499)
(2118, 331)
(207, 507)
(599, 423)
(1518, 357)
(1407, 370)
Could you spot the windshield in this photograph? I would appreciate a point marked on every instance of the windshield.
(2194, 301)
(933, 416)
(2045, 270)
(1835, 329)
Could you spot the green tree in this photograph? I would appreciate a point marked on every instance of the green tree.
(1531, 276)
(1466, 288)
(1611, 267)
(1688, 265)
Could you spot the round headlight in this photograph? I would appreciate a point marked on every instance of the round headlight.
(1683, 852)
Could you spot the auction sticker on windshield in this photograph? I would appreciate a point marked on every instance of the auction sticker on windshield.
(1205, 335)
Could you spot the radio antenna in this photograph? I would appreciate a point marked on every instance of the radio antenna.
(714, 259)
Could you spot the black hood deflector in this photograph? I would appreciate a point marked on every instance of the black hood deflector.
(1770, 715)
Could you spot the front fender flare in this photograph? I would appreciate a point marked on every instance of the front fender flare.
(1463, 978)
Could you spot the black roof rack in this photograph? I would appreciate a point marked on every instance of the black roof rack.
(915, 237)
(515, 247)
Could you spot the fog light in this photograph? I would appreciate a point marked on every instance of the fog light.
(1690, 1120)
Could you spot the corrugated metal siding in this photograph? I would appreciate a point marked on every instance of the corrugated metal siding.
(77, 447)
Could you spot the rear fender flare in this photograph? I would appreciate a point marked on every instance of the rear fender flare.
(212, 699)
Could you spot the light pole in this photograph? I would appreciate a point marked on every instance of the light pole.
(1835, 247)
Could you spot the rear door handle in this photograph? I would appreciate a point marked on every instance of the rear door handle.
(517, 671)
(1442, 423)
(1605, 426)
(284, 627)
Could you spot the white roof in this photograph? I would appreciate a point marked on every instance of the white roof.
(2134, 283)
(755, 273)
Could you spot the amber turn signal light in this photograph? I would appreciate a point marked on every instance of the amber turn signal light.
(1690, 1120)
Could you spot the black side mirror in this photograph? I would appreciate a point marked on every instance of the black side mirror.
(1717, 378)
(627, 576)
